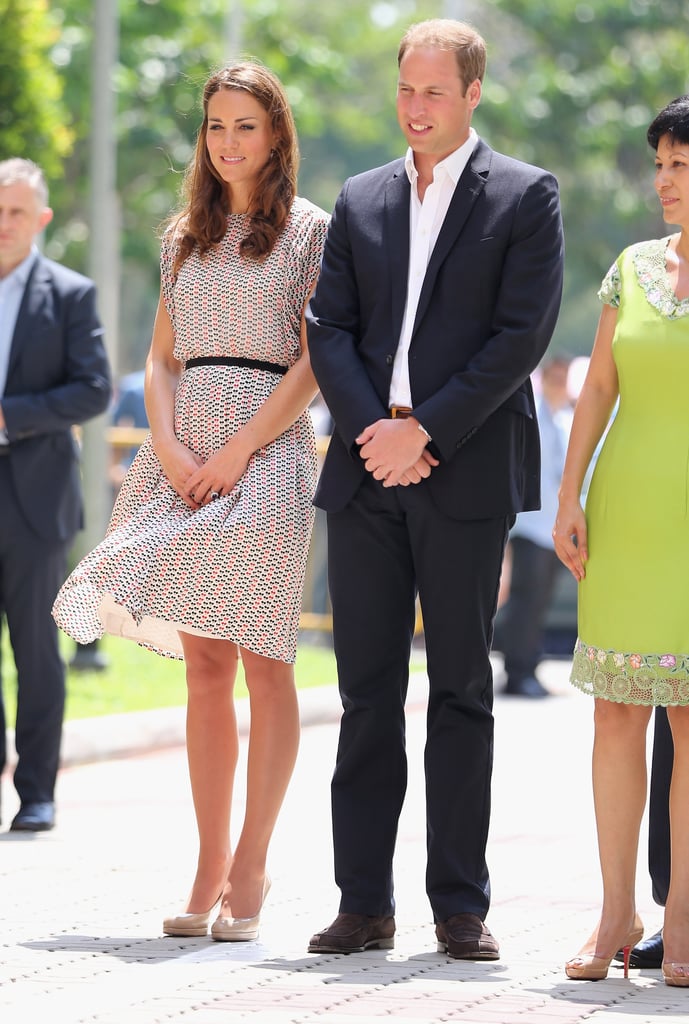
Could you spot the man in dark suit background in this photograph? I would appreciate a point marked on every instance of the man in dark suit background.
(440, 289)
(53, 373)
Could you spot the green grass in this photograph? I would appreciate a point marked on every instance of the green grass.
(138, 680)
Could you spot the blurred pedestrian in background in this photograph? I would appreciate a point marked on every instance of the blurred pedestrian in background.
(53, 373)
(533, 564)
(129, 410)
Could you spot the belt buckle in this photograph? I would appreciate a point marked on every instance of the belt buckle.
(400, 412)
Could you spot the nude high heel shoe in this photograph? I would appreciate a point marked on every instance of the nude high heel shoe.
(589, 967)
(240, 929)
(189, 925)
(676, 974)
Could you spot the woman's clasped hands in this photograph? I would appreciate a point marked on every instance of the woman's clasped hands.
(198, 482)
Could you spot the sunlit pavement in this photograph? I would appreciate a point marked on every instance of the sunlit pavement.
(81, 907)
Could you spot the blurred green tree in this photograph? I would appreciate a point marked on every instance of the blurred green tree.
(328, 56)
(33, 119)
(571, 85)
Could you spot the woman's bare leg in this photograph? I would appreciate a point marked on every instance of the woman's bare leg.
(273, 745)
(676, 927)
(619, 791)
(212, 747)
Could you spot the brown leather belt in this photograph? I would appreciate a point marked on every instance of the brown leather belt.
(400, 412)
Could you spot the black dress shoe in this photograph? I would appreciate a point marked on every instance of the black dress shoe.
(354, 933)
(529, 686)
(34, 818)
(466, 937)
(648, 953)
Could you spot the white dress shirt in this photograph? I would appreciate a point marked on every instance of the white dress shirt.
(12, 288)
(425, 221)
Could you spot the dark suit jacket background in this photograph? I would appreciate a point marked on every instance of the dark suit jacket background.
(58, 375)
(486, 313)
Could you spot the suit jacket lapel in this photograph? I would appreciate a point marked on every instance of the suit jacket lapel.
(34, 298)
(469, 188)
(397, 242)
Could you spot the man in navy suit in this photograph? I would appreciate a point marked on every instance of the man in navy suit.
(440, 289)
(53, 374)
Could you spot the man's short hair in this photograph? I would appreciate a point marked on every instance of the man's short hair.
(459, 38)
(17, 169)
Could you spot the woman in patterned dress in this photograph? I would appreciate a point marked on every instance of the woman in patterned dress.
(630, 554)
(205, 553)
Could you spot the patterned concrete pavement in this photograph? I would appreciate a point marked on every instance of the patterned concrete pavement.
(81, 907)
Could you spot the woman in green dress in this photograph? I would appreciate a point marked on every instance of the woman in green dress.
(630, 555)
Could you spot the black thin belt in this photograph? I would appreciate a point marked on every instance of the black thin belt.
(252, 364)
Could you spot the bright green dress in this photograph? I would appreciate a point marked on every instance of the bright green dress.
(633, 644)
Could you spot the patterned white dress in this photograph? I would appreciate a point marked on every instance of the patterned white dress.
(233, 569)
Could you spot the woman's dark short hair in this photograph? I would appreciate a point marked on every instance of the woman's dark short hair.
(673, 120)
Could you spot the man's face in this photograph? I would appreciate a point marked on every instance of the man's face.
(22, 218)
(554, 384)
(433, 109)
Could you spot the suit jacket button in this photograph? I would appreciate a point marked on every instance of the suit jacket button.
(389, 360)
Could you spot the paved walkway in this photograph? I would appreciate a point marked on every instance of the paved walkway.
(81, 907)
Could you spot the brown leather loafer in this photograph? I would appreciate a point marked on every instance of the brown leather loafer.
(354, 933)
(466, 937)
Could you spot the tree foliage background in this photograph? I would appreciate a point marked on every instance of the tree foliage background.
(571, 85)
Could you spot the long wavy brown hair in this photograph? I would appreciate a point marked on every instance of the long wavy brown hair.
(202, 221)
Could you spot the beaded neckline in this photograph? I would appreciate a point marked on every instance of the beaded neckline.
(650, 263)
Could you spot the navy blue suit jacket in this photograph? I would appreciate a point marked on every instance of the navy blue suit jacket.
(487, 310)
(58, 375)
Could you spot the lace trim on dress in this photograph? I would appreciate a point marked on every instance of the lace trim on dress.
(649, 679)
(649, 259)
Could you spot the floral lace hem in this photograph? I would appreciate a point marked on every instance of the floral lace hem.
(649, 679)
